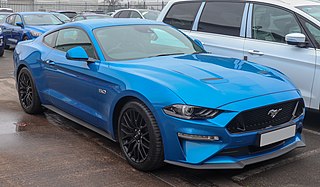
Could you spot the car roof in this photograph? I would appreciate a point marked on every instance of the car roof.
(29, 13)
(108, 22)
(286, 3)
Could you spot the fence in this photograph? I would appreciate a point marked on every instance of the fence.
(101, 7)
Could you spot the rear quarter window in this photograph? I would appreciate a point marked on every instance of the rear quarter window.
(182, 15)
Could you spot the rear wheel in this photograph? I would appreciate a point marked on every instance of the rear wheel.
(139, 137)
(28, 94)
(1, 51)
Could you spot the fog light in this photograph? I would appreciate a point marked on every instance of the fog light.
(198, 137)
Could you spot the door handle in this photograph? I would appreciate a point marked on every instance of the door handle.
(50, 62)
(255, 52)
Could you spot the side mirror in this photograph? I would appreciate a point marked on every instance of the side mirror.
(20, 24)
(77, 53)
(297, 39)
(199, 43)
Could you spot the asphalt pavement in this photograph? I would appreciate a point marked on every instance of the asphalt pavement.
(49, 150)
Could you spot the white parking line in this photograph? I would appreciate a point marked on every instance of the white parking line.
(267, 167)
(311, 131)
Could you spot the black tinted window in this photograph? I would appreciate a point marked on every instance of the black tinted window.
(222, 18)
(182, 15)
(124, 14)
(70, 38)
(50, 39)
(135, 14)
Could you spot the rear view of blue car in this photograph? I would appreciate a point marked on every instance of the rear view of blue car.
(27, 25)
(159, 94)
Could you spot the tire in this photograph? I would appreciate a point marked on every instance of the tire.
(28, 94)
(1, 52)
(6, 46)
(139, 137)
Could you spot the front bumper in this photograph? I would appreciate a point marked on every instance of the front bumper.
(1, 42)
(212, 154)
(241, 163)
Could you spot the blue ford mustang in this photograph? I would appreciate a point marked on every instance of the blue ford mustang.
(158, 93)
(27, 25)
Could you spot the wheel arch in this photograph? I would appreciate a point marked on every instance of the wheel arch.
(120, 102)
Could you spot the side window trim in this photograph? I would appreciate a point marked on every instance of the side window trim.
(309, 35)
(249, 21)
(244, 21)
(197, 19)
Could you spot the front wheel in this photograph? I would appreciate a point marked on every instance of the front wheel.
(139, 137)
(1, 52)
(28, 94)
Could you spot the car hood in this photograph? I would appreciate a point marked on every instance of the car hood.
(209, 81)
(41, 29)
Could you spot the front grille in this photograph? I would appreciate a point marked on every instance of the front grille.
(266, 116)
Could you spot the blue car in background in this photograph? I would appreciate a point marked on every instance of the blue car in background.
(3, 16)
(27, 25)
(159, 94)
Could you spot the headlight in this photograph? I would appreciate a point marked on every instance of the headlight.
(190, 112)
(35, 34)
(0, 30)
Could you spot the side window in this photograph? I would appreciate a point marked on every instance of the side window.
(182, 15)
(18, 19)
(273, 24)
(222, 18)
(10, 19)
(124, 14)
(70, 38)
(315, 32)
(135, 14)
(50, 39)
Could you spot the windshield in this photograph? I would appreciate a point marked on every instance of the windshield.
(313, 10)
(41, 19)
(63, 17)
(151, 15)
(2, 18)
(143, 41)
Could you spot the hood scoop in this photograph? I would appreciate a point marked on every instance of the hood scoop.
(214, 80)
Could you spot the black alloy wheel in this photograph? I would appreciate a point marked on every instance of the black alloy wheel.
(139, 137)
(28, 94)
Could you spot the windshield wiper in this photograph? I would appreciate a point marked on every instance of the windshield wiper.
(169, 54)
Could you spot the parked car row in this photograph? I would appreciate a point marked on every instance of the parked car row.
(284, 35)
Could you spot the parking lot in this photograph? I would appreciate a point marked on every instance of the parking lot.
(49, 150)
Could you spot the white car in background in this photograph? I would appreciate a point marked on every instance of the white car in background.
(137, 13)
(284, 35)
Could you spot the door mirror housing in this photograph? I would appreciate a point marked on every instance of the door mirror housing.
(77, 53)
(297, 39)
(199, 43)
(20, 24)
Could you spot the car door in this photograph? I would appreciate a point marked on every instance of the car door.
(73, 84)
(265, 44)
(313, 31)
(7, 30)
(17, 31)
(220, 26)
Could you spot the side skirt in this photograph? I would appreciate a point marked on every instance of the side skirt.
(80, 122)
